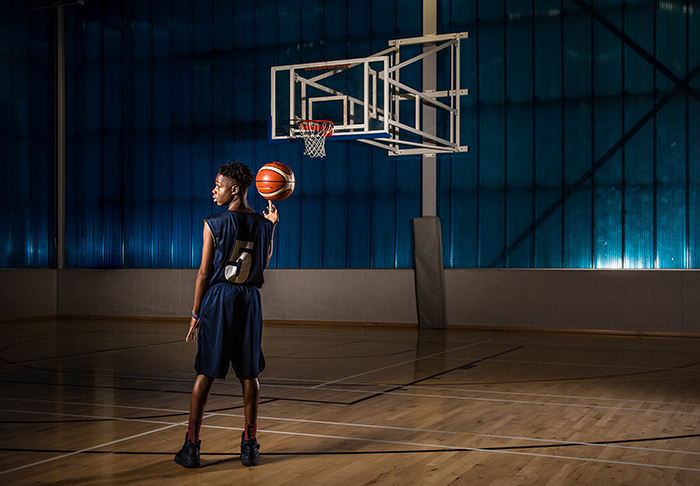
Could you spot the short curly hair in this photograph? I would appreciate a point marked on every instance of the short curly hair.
(238, 172)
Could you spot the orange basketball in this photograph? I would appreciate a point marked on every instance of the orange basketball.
(275, 181)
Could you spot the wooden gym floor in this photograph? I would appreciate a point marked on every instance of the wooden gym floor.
(106, 402)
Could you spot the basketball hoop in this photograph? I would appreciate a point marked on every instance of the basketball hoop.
(314, 133)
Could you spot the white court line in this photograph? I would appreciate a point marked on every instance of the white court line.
(489, 392)
(495, 400)
(551, 404)
(343, 424)
(97, 405)
(545, 395)
(454, 448)
(471, 449)
(377, 441)
(264, 383)
(401, 364)
(389, 385)
(490, 436)
(170, 426)
(423, 387)
(645, 368)
(87, 449)
(96, 417)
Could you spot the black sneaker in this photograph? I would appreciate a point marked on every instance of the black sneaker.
(189, 454)
(249, 452)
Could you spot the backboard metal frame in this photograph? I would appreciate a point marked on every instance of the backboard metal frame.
(301, 102)
(385, 112)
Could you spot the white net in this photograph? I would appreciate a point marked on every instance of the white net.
(314, 133)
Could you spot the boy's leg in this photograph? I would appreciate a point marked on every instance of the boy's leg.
(249, 445)
(251, 397)
(200, 395)
(188, 456)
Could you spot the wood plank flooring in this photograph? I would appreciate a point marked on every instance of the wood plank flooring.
(106, 403)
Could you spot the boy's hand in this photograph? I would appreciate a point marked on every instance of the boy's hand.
(194, 327)
(271, 213)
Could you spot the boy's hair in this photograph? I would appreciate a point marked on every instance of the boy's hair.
(240, 173)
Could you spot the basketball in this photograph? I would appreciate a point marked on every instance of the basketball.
(275, 181)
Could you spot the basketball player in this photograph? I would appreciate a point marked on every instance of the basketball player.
(227, 315)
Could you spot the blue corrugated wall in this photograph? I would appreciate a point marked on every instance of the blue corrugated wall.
(26, 137)
(162, 92)
(583, 122)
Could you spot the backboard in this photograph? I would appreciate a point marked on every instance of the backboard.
(348, 93)
(378, 99)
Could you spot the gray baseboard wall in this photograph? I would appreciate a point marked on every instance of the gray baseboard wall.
(637, 301)
(28, 293)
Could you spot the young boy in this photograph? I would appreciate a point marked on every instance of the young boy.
(227, 313)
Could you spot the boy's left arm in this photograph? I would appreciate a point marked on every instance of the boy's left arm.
(206, 267)
(273, 216)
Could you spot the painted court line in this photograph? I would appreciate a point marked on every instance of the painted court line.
(551, 404)
(96, 417)
(322, 422)
(470, 449)
(390, 385)
(607, 366)
(449, 432)
(495, 400)
(96, 405)
(544, 395)
(62, 456)
(324, 436)
(400, 364)
(378, 441)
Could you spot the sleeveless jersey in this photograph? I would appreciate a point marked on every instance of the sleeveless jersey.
(241, 244)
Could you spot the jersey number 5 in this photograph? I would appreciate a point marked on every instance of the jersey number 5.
(238, 268)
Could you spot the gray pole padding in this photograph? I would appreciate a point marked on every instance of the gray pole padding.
(429, 273)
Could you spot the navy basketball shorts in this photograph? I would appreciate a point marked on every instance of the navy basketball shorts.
(230, 332)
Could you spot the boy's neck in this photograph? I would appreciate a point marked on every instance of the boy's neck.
(240, 204)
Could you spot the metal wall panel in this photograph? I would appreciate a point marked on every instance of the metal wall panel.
(693, 141)
(27, 186)
(585, 148)
(671, 135)
(187, 90)
(638, 154)
(582, 123)
(547, 132)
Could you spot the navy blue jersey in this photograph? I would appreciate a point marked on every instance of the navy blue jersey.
(242, 242)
